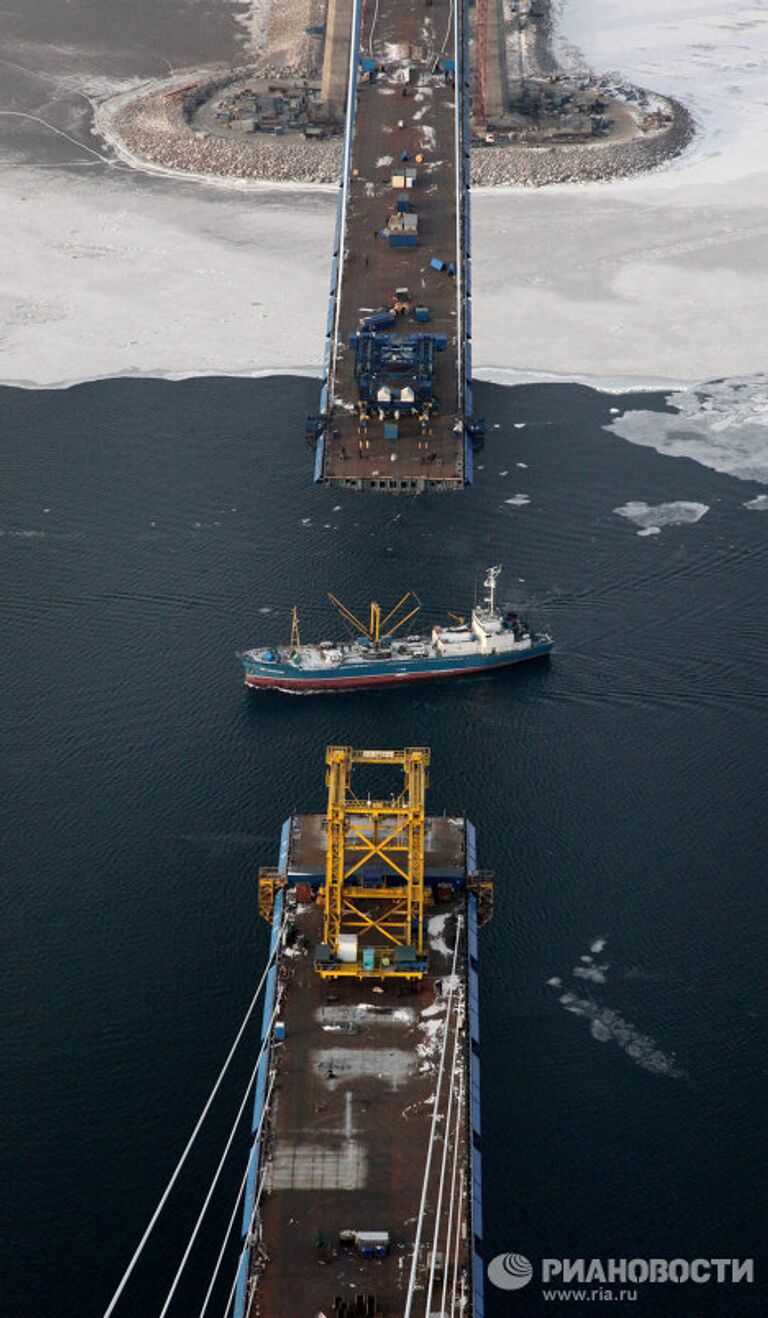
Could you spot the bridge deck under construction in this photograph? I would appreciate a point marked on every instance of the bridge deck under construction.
(348, 1136)
(406, 107)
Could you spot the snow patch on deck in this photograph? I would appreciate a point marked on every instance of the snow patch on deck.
(392, 1066)
(435, 930)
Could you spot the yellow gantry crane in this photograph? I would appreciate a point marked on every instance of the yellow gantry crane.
(374, 882)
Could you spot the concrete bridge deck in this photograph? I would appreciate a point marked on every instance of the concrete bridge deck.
(410, 106)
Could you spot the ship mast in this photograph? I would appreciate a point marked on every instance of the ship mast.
(490, 586)
(374, 629)
(295, 636)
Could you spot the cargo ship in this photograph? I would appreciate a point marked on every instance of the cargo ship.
(363, 1187)
(494, 638)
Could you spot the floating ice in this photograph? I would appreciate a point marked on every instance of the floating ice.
(596, 974)
(524, 465)
(519, 425)
(606, 1025)
(722, 424)
(598, 945)
(758, 505)
(651, 519)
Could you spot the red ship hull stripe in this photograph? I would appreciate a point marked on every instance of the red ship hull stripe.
(340, 683)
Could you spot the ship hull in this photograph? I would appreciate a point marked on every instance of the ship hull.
(260, 677)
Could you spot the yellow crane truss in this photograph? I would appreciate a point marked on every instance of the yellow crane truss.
(379, 629)
(374, 881)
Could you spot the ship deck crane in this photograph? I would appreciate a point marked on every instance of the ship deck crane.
(379, 629)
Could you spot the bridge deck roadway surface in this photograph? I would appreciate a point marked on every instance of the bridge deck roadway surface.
(349, 1129)
(408, 34)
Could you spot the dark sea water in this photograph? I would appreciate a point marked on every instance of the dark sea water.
(619, 793)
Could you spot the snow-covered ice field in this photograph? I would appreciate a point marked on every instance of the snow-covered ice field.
(661, 280)
(121, 275)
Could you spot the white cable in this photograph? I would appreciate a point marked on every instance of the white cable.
(433, 1130)
(20, 114)
(454, 1180)
(461, 202)
(456, 1246)
(257, 1199)
(217, 1173)
(231, 1222)
(175, 1174)
(346, 166)
(444, 1160)
(225, 1239)
(448, 29)
(224, 1242)
(228, 1305)
(373, 28)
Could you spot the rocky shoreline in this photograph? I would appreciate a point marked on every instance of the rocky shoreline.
(157, 127)
(538, 166)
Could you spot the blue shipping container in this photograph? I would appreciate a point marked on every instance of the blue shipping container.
(403, 240)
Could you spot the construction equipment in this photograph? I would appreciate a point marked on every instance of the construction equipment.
(374, 883)
(396, 375)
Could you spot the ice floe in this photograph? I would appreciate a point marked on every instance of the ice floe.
(722, 424)
(595, 974)
(651, 519)
(607, 1025)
